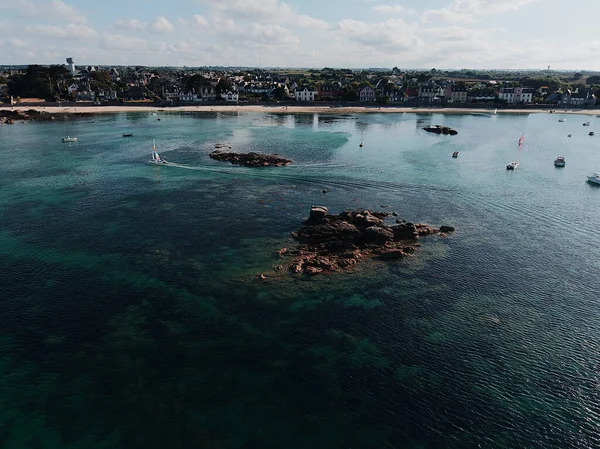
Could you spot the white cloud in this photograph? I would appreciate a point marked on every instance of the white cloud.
(116, 42)
(130, 25)
(55, 9)
(263, 12)
(200, 21)
(470, 10)
(393, 10)
(70, 31)
(161, 25)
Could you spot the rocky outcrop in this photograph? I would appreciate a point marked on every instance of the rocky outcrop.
(250, 159)
(439, 129)
(328, 243)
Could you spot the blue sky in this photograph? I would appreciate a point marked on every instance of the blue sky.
(303, 33)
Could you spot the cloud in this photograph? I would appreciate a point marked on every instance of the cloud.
(161, 25)
(391, 35)
(70, 31)
(130, 25)
(117, 42)
(393, 10)
(55, 9)
(470, 10)
(263, 12)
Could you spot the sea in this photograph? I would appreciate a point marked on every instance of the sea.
(131, 315)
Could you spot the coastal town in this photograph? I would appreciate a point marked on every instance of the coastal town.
(81, 85)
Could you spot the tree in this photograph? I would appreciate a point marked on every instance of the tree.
(224, 85)
(595, 79)
(279, 93)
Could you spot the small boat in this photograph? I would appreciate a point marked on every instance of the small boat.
(559, 161)
(521, 139)
(361, 140)
(153, 113)
(495, 111)
(68, 139)
(569, 135)
(455, 154)
(591, 133)
(562, 119)
(586, 124)
(512, 165)
(127, 134)
(158, 119)
(155, 157)
(595, 178)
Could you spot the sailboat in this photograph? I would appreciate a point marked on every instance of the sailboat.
(361, 140)
(495, 111)
(514, 164)
(155, 157)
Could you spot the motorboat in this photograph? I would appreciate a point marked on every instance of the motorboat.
(455, 154)
(586, 123)
(594, 178)
(68, 139)
(512, 165)
(591, 133)
(569, 135)
(127, 134)
(562, 119)
(559, 161)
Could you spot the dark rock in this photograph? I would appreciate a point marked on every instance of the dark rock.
(394, 254)
(439, 129)
(250, 159)
(376, 234)
(445, 228)
(327, 232)
(405, 231)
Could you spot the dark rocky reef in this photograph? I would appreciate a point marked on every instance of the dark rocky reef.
(11, 116)
(439, 129)
(250, 159)
(328, 243)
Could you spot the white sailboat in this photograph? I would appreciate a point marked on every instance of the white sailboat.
(514, 164)
(155, 157)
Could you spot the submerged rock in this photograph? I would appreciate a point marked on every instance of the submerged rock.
(250, 159)
(332, 242)
(439, 129)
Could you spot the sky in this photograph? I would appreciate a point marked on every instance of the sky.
(441, 34)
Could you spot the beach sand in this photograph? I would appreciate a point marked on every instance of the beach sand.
(278, 109)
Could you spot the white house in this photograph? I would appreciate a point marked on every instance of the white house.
(230, 97)
(73, 88)
(188, 97)
(303, 94)
(366, 95)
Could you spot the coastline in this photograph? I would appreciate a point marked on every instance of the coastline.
(277, 109)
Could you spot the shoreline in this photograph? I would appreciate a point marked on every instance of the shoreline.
(292, 109)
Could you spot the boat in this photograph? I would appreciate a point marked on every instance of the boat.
(127, 134)
(594, 178)
(155, 157)
(521, 139)
(495, 111)
(591, 133)
(68, 139)
(559, 161)
(158, 119)
(562, 119)
(361, 140)
(512, 165)
(569, 135)
(586, 124)
(455, 154)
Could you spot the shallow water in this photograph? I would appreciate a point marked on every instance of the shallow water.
(130, 317)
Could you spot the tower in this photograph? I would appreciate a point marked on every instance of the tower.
(71, 65)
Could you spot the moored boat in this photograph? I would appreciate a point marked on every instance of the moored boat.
(127, 134)
(68, 139)
(586, 123)
(455, 154)
(591, 133)
(512, 165)
(559, 161)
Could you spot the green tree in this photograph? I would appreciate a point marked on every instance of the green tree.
(224, 85)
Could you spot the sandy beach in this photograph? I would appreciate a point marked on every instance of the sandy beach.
(278, 109)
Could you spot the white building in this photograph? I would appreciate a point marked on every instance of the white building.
(230, 97)
(303, 94)
(71, 63)
(188, 97)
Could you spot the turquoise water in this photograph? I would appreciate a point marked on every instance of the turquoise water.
(130, 316)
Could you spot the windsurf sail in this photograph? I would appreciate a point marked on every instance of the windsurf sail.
(522, 139)
(155, 156)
